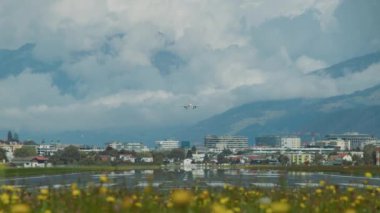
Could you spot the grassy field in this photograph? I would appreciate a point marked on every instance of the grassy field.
(23, 172)
(230, 199)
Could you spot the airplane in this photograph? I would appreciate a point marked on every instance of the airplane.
(190, 106)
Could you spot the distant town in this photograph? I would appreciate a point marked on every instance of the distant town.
(349, 148)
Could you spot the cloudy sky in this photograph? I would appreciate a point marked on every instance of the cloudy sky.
(133, 64)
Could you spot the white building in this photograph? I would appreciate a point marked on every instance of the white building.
(167, 144)
(339, 143)
(47, 149)
(116, 145)
(130, 146)
(136, 146)
(88, 148)
(147, 159)
(290, 142)
(300, 158)
(128, 158)
(226, 142)
(198, 158)
(356, 139)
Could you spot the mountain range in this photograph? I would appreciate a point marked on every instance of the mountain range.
(359, 112)
(356, 112)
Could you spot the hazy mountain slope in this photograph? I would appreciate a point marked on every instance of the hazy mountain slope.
(359, 111)
(347, 67)
(13, 62)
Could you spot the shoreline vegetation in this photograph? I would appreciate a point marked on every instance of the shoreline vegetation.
(227, 199)
(25, 172)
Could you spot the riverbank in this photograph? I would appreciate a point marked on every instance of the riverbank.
(23, 172)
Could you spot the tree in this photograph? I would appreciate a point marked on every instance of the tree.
(15, 137)
(87, 159)
(283, 159)
(3, 154)
(29, 142)
(227, 152)
(369, 154)
(189, 154)
(127, 152)
(56, 158)
(70, 155)
(357, 160)
(318, 159)
(206, 159)
(177, 154)
(158, 157)
(10, 137)
(110, 151)
(25, 151)
(194, 149)
(221, 158)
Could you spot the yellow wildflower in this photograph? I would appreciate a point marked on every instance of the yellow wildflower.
(368, 175)
(224, 200)
(204, 194)
(20, 208)
(169, 205)
(75, 192)
(302, 205)
(103, 179)
(103, 190)
(110, 199)
(74, 186)
(217, 208)
(5, 198)
(15, 198)
(127, 202)
(44, 191)
(7, 187)
(181, 197)
(359, 197)
(350, 211)
(318, 191)
(343, 198)
(322, 183)
(280, 207)
(42, 197)
(350, 189)
(138, 204)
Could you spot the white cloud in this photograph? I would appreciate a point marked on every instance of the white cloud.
(106, 49)
(326, 10)
(30, 89)
(359, 80)
(306, 64)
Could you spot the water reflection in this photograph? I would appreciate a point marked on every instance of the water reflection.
(178, 178)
